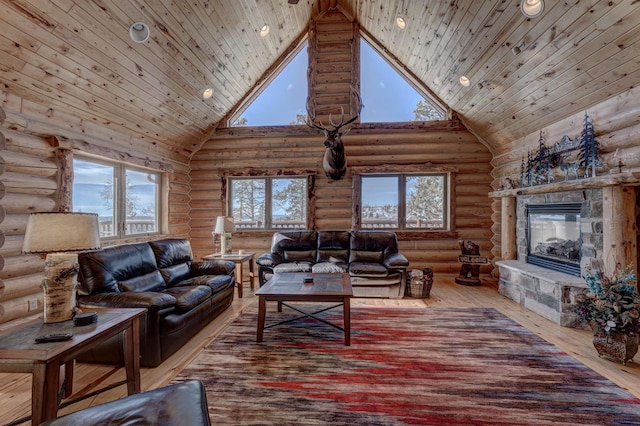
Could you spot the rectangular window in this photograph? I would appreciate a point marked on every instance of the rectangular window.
(404, 201)
(268, 202)
(126, 198)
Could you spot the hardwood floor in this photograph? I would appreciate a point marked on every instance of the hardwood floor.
(15, 389)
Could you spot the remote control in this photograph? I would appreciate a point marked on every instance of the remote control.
(56, 337)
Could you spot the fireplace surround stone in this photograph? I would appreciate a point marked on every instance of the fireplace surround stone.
(548, 293)
(609, 217)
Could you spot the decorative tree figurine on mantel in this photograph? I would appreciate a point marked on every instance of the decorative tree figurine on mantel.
(590, 154)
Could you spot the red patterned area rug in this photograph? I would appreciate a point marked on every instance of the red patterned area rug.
(434, 366)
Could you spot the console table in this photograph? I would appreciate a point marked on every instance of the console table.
(19, 353)
(238, 259)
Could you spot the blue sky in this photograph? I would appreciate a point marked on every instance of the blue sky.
(385, 94)
(90, 179)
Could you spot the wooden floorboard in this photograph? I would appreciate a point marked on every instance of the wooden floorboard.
(15, 389)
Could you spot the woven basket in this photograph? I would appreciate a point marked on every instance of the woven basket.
(419, 287)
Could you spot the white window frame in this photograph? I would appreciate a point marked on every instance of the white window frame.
(120, 191)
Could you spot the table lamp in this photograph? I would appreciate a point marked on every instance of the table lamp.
(224, 228)
(56, 234)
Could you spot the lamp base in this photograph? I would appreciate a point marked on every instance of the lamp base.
(225, 241)
(59, 285)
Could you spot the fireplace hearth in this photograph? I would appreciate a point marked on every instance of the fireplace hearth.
(554, 239)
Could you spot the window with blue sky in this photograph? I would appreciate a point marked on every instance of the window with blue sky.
(386, 95)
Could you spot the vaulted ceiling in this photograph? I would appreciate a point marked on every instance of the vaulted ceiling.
(76, 57)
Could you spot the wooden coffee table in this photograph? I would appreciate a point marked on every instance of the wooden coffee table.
(290, 287)
(19, 353)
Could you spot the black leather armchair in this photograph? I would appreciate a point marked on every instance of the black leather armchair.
(181, 296)
(178, 404)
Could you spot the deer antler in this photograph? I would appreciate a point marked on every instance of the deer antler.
(310, 121)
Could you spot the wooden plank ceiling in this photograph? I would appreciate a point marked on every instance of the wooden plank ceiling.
(75, 56)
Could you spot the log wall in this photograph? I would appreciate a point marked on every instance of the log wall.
(383, 148)
(334, 73)
(617, 126)
(31, 180)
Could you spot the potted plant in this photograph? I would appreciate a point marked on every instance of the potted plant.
(611, 307)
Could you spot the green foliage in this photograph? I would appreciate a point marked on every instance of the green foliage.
(425, 201)
(300, 119)
(239, 122)
(612, 303)
(425, 111)
(291, 198)
(248, 199)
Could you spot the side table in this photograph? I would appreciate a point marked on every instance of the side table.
(19, 353)
(238, 259)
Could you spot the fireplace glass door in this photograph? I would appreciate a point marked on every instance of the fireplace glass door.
(554, 237)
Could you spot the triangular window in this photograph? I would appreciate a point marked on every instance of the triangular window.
(386, 94)
(283, 100)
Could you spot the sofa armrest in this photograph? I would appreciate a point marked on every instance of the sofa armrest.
(212, 267)
(150, 300)
(396, 261)
(269, 259)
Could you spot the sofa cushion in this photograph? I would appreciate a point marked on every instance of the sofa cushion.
(367, 256)
(101, 270)
(329, 268)
(292, 267)
(215, 282)
(300, 256)
(176, 273)
(171, 251)
(188, 298)
(365, 269)
(212, 267)
(333, 246)
(373, 241)
(152, 281)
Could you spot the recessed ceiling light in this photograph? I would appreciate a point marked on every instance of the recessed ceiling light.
(139, 32)
(400, 22)
(464, 81)
(264, 30)
(208, 92)
(532, 8)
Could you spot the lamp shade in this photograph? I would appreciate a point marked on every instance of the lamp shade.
(224, 225)
(61, 232)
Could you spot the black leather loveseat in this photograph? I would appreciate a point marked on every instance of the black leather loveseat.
(371, 258)
(181, 296)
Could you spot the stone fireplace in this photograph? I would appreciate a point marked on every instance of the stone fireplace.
(576, 225)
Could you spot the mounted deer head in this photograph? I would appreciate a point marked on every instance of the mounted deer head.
(334, 161)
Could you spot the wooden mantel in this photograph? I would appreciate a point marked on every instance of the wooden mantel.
(618, 214)
(615, 179)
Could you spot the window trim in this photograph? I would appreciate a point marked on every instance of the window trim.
(418, 169)
(119, 182)
(225, 196)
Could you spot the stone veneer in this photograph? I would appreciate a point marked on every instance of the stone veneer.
(549, 293)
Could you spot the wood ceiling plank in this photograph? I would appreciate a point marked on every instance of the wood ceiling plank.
(192, 25)
(108, 61)
(598, 58)
(148, 56)
(552, 57)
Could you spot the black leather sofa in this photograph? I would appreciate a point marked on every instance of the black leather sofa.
(370, 257)
(181, 296)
